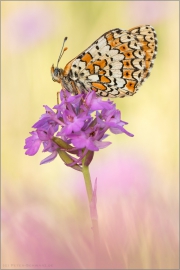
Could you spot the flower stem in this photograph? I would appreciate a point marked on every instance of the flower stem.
(93, 211)
(87, 178)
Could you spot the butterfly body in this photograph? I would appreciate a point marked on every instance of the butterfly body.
(115, 65)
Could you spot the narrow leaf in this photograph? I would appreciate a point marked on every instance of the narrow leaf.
(68, 160)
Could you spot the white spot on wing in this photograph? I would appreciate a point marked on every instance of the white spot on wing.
(105, 50)
(93, 78)
(96, 69)
(82, 64)
(139, 54)
(118, 57)
(113, 52)
(93, 51)
(126, 38)
(120, 82)
(114, 92)
(116, 65)
(139, 63)
(101, 43)
(116, 73)
(76, 62)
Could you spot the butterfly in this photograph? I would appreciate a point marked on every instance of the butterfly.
(115, 65)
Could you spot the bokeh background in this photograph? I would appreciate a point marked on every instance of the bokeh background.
(45, 214)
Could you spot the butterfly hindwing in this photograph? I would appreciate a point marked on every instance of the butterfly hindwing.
(117, 63)
(147, 37)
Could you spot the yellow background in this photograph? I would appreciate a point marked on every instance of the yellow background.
(45, 215)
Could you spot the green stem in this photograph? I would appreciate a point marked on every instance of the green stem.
(87, 179)
(95, 227)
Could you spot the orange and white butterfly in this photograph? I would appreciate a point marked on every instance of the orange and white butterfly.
(115, 65)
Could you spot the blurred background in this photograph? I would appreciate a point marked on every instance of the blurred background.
(45, 213)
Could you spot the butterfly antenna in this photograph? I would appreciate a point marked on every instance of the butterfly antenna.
(62, 51)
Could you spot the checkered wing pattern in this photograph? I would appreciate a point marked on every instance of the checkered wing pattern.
(117, 63)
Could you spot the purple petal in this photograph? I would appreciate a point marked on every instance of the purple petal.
(101, 144)
(50, 146)
(34, 149)
(49, 158)
(98, 104)
(91, 145)
(119, 130)
(77, 124)
(42, 121)
(32, 144)
(90, 97)
(79, 142)
(42, 135)
(48, 109)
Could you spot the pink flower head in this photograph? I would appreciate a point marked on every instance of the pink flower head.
(79, 125)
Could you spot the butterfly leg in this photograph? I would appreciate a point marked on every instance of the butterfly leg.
(76, 90)
(58, 97)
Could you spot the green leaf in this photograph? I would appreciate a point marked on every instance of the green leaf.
(68, 160)
(88, 158)
(62, 143)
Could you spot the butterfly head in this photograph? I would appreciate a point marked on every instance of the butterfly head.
(57, 74)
